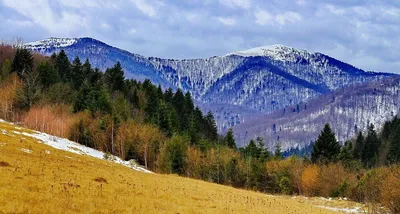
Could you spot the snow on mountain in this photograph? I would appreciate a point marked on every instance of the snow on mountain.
(238, 86)
(348, 110)
(275, 52)
(50, 43)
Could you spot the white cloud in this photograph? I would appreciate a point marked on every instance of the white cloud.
(264, 17)
(40, 13)
(132, 31)
(227, 20)
(245, 4)
(146, 8)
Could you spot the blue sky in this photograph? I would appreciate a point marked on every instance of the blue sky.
(363, 33)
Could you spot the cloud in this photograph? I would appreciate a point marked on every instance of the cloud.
(245, 4)
(146, 8)
(264, 17)
(226, 20)
(364, 33)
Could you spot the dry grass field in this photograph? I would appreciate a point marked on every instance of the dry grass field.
(36, 178)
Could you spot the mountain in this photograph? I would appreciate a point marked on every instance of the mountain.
(348, 110)
(238, 87)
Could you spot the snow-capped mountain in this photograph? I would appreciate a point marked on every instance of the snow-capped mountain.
(348, 110)
(237, 86)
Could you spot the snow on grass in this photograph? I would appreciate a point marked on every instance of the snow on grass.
(345, 210)
(26, 150)
(70, 146)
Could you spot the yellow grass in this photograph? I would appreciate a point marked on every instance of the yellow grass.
(48, 180)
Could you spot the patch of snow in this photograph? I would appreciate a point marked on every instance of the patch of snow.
(26, 150)
(70, 146)
(276, 52)
(47, 152)
(345, 210)
(50, 43)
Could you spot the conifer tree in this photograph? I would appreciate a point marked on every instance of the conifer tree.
(63, 66)
(48, 74)
(165, 119)
(278, 152)
(23, 62)
(371, 147)
(230, 140)
(77, 73)
(359, 146)
(326, 147)
(168, 95)
(114, 78)
(211, 127)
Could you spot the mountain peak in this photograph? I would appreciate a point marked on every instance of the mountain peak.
(276, 51)
(52, 42)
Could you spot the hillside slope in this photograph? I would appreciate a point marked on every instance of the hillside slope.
(348, 110)
(37, 178)
(263, 79)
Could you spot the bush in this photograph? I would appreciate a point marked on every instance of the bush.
(390, 190)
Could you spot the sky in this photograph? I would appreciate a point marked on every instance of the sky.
(363, 33)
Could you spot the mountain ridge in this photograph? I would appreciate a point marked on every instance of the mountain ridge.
(274, 78)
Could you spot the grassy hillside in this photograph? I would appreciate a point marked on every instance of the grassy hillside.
(36, 178)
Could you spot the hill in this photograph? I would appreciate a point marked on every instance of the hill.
(349, 110)
(38, 178)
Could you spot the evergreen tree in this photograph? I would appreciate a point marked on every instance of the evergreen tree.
(48, 74)
(165, 119)
(394, 149)
(211, 127)
(251, 150)
(153, 105)
(229, 139)
(64, 66)
(359, 147)
(346, 152)
(326, 147)
(371, 147)
(87, 70)
(114, 78)
(278, 152)
(78, 75)
(23, 62)
(168, 95)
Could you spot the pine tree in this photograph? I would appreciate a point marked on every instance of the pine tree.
(211, 127)
(168, 95)
(78, 75)
(23, 62)
(394, 149)
(153, 105)
(165, 119)
(326, 148)
(230, 140)
(114, 78)
(359, 147)
(251, 150)
(278, 152)
(48, 74)
(371, 147)
(64, 66)
(346, 152)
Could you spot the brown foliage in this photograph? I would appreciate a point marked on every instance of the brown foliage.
(8, 94)
(390, 190)
(52, 119)
(309, 180)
